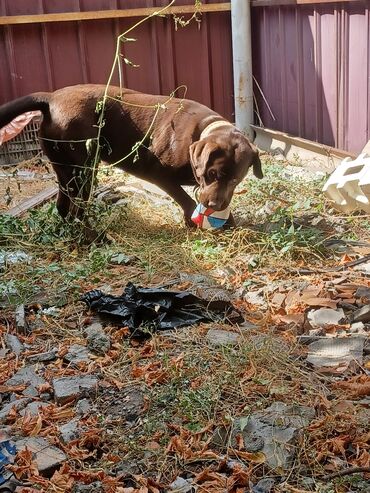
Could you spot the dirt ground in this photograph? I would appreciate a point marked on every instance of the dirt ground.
(278, 402)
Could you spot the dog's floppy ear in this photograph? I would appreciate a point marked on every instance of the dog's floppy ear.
(200, 153)
(256, 163)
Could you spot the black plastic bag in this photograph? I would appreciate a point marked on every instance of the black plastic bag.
(145, 310)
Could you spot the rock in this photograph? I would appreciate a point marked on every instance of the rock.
(361, 315)
(324, 316)
(96, 487)
(94, 328)
(218, 337)
(125, 404)
(181, 485)
(14, 344)
(18, 404)
(122, 259)
(363, 292)
(20, 320)
(308, 339)
(255, 298)
(265, 485)
(127, 467)
(358, 328)
(45, 396)
(335, 352)
(13, 258)
(213, 294)
(98, 342)
(25, 376)
(196, 279)
(32, 409)
(30, 391)
(77, 354)
(273, 431)
(246, 325)
(67, 389)
(70, 431)
(83, 407)
(47, 457)
(43, 357)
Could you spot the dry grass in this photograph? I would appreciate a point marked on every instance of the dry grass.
(190, 386)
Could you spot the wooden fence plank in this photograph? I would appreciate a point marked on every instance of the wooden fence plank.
(109, 14)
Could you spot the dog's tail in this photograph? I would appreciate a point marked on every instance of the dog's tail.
(39, 101)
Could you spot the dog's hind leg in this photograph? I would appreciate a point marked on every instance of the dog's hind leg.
(75, 179)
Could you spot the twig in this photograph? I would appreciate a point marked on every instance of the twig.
(346, 472)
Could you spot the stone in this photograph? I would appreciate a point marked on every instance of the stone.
(358, 328)
(196, 279)
(68, 389)
(255, 298)
(13, 258)
(43, 357)
(32, 409)
(273, 431)
(18, 404)
(335, 352)
(83, 407)
(45, 396)
(94, 328)
(69, 431)
(361, 315)
(98, 342)
(246, 325)
(363, 292)
(122, 259)
(218, 337)
(77, 354)
(181, 485)
(265, 485)
(324, 316)
(47, 457)
(13, 344)
(25, 376)
(306, 339)
(30, 391)
(20, 320)
(96, 487)
(126, 404)
(213, 294)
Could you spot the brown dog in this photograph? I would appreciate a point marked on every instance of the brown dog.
(186, 143)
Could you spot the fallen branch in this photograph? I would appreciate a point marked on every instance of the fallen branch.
(346, 472)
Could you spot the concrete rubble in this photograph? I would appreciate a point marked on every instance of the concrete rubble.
(69, 389)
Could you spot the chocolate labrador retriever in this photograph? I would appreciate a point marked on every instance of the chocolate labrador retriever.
(182, 143)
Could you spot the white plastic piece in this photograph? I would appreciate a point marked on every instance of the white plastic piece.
(348, 187)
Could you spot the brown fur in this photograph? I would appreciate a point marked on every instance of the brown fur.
(174, 155)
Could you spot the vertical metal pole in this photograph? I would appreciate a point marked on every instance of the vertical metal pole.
(242, 63)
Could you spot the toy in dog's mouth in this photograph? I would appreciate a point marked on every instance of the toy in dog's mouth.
(207, 218)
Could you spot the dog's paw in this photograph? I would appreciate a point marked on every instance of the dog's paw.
(189, 223)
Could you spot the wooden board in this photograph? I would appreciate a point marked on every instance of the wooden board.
(109, 14)
(38, 199)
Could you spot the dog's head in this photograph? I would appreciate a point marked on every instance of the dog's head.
(220, 162)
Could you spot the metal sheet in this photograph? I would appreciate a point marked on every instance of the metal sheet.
(46, 57)
(312, 64)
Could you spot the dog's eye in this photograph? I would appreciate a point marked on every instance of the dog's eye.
(212, 175)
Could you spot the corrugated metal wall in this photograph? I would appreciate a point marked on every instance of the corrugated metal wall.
(311, 61)
(313, 65)
(38, 57)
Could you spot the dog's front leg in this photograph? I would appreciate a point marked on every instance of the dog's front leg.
(182, 198)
